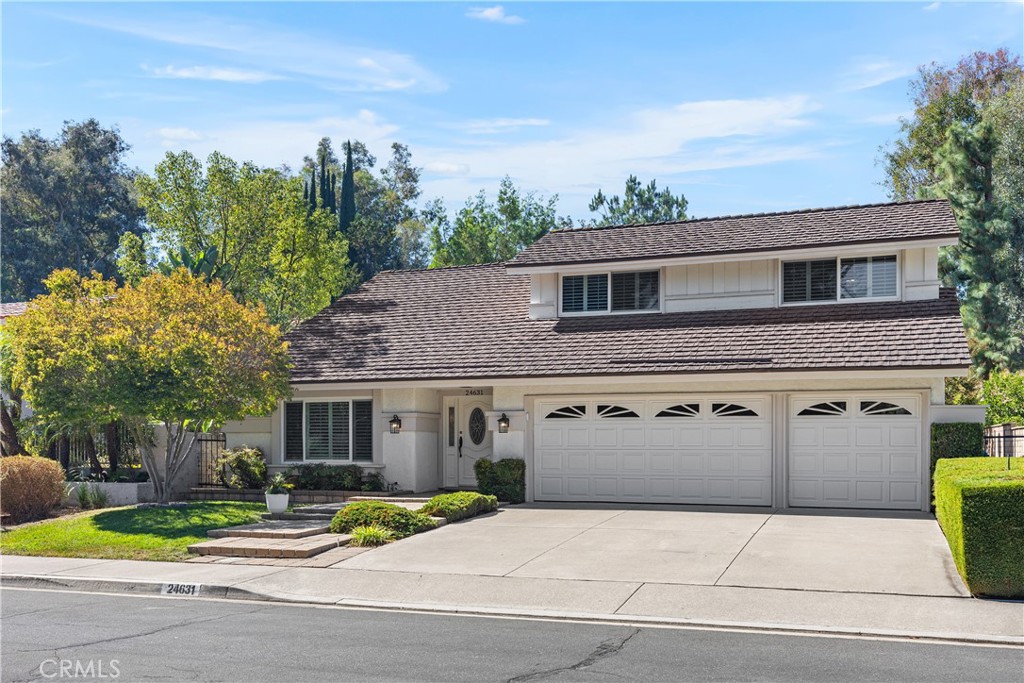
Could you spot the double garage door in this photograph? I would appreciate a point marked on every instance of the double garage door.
(842, 450)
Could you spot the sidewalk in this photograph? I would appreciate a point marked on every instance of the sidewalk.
(945, 618)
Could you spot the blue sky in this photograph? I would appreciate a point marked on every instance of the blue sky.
(743, 107)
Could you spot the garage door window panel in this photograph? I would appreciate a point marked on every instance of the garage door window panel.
(882, 408)
(568, 412)
(613, 411)
(829, 408)
(680, 410)
(732, 410)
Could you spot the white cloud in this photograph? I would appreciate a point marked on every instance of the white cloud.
(868, 73)
(171, 136)
(662, 142)
(326, 63)
(495, 14)
(886, 119)
(269, 142)
(211, 73)
(932, 7)
(446, 168)
(498, 125)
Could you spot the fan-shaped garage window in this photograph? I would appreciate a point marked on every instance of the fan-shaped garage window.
(731, 410)
(567, 412)
(615, 411)
(681, 410)
(824, 409)
(882, 408)
(477, 426)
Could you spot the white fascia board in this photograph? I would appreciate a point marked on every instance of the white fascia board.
(665, 378)
(866, 248)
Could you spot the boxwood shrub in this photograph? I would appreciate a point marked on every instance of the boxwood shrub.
(980, 507)
(401, 521)
(460, 505)
(505, 479)
(957, 440)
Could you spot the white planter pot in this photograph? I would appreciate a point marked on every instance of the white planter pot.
(277, 502)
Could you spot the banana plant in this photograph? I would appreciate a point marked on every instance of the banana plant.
(203, 264)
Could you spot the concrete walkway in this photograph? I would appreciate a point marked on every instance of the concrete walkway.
(946, 618)
(886, 574)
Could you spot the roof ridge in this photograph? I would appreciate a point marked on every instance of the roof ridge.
(762, 214)
(464, 266)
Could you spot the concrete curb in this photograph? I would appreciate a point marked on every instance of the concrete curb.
(229, 592)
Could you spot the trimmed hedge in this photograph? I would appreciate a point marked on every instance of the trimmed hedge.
(957, 440)
(505, 479)
(980, 507)
(401, 521)
(460, 505)
(30, 486)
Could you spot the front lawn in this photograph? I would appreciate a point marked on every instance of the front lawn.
(149, 533)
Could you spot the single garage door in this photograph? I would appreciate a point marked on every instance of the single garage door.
(855, 451)
(708, 450)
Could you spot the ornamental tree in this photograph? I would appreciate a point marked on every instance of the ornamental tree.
(173, 350)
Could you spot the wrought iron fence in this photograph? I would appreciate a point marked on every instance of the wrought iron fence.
(129, 454)
(211, 444)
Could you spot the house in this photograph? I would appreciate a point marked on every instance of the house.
(792, 359)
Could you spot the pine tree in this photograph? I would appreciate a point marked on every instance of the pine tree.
(981, 266)
(347, 207)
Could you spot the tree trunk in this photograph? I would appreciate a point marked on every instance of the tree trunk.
(90, 452)
(113, 438)
(9, 443)
(64, 452)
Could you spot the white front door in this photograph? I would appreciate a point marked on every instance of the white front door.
(672, 449)
(856, 451)
(466, 438)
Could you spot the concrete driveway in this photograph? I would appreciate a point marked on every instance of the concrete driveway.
(840, 551)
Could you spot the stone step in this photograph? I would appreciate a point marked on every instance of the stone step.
(271, 548)
(296, 516)
(273, 529)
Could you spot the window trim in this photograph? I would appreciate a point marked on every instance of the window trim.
(351, 432)
(780, 279)
(608, 310)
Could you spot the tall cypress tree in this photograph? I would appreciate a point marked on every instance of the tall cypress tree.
(982, 265)
(312, 190)
(347, 207)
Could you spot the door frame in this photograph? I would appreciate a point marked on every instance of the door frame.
(458, 400)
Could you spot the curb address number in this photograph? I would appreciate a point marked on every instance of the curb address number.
(180, 589)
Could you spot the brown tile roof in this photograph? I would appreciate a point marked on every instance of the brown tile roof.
(12, 308)
(472, 323)
(744, 234)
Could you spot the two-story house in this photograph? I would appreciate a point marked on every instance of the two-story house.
(787, 359)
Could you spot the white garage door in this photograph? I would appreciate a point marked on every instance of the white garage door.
(680, 449)
(855, 451)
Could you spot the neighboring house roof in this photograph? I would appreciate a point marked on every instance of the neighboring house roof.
(763, 232)
(472, 322)
(13, 308)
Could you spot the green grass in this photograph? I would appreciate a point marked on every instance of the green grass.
(129, 533)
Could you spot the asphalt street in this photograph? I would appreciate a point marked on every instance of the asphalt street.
(50, 635)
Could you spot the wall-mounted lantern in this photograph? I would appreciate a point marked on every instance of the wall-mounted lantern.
(503, 423)
(395, 424)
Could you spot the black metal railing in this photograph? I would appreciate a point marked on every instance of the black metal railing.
(1005, 445)
(210, 446)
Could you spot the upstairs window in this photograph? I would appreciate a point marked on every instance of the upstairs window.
(582, 293)
(870, 277)
(600, 293)
(861, 277)
(809, 281)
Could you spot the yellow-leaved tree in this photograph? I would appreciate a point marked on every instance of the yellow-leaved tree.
(172, 349)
